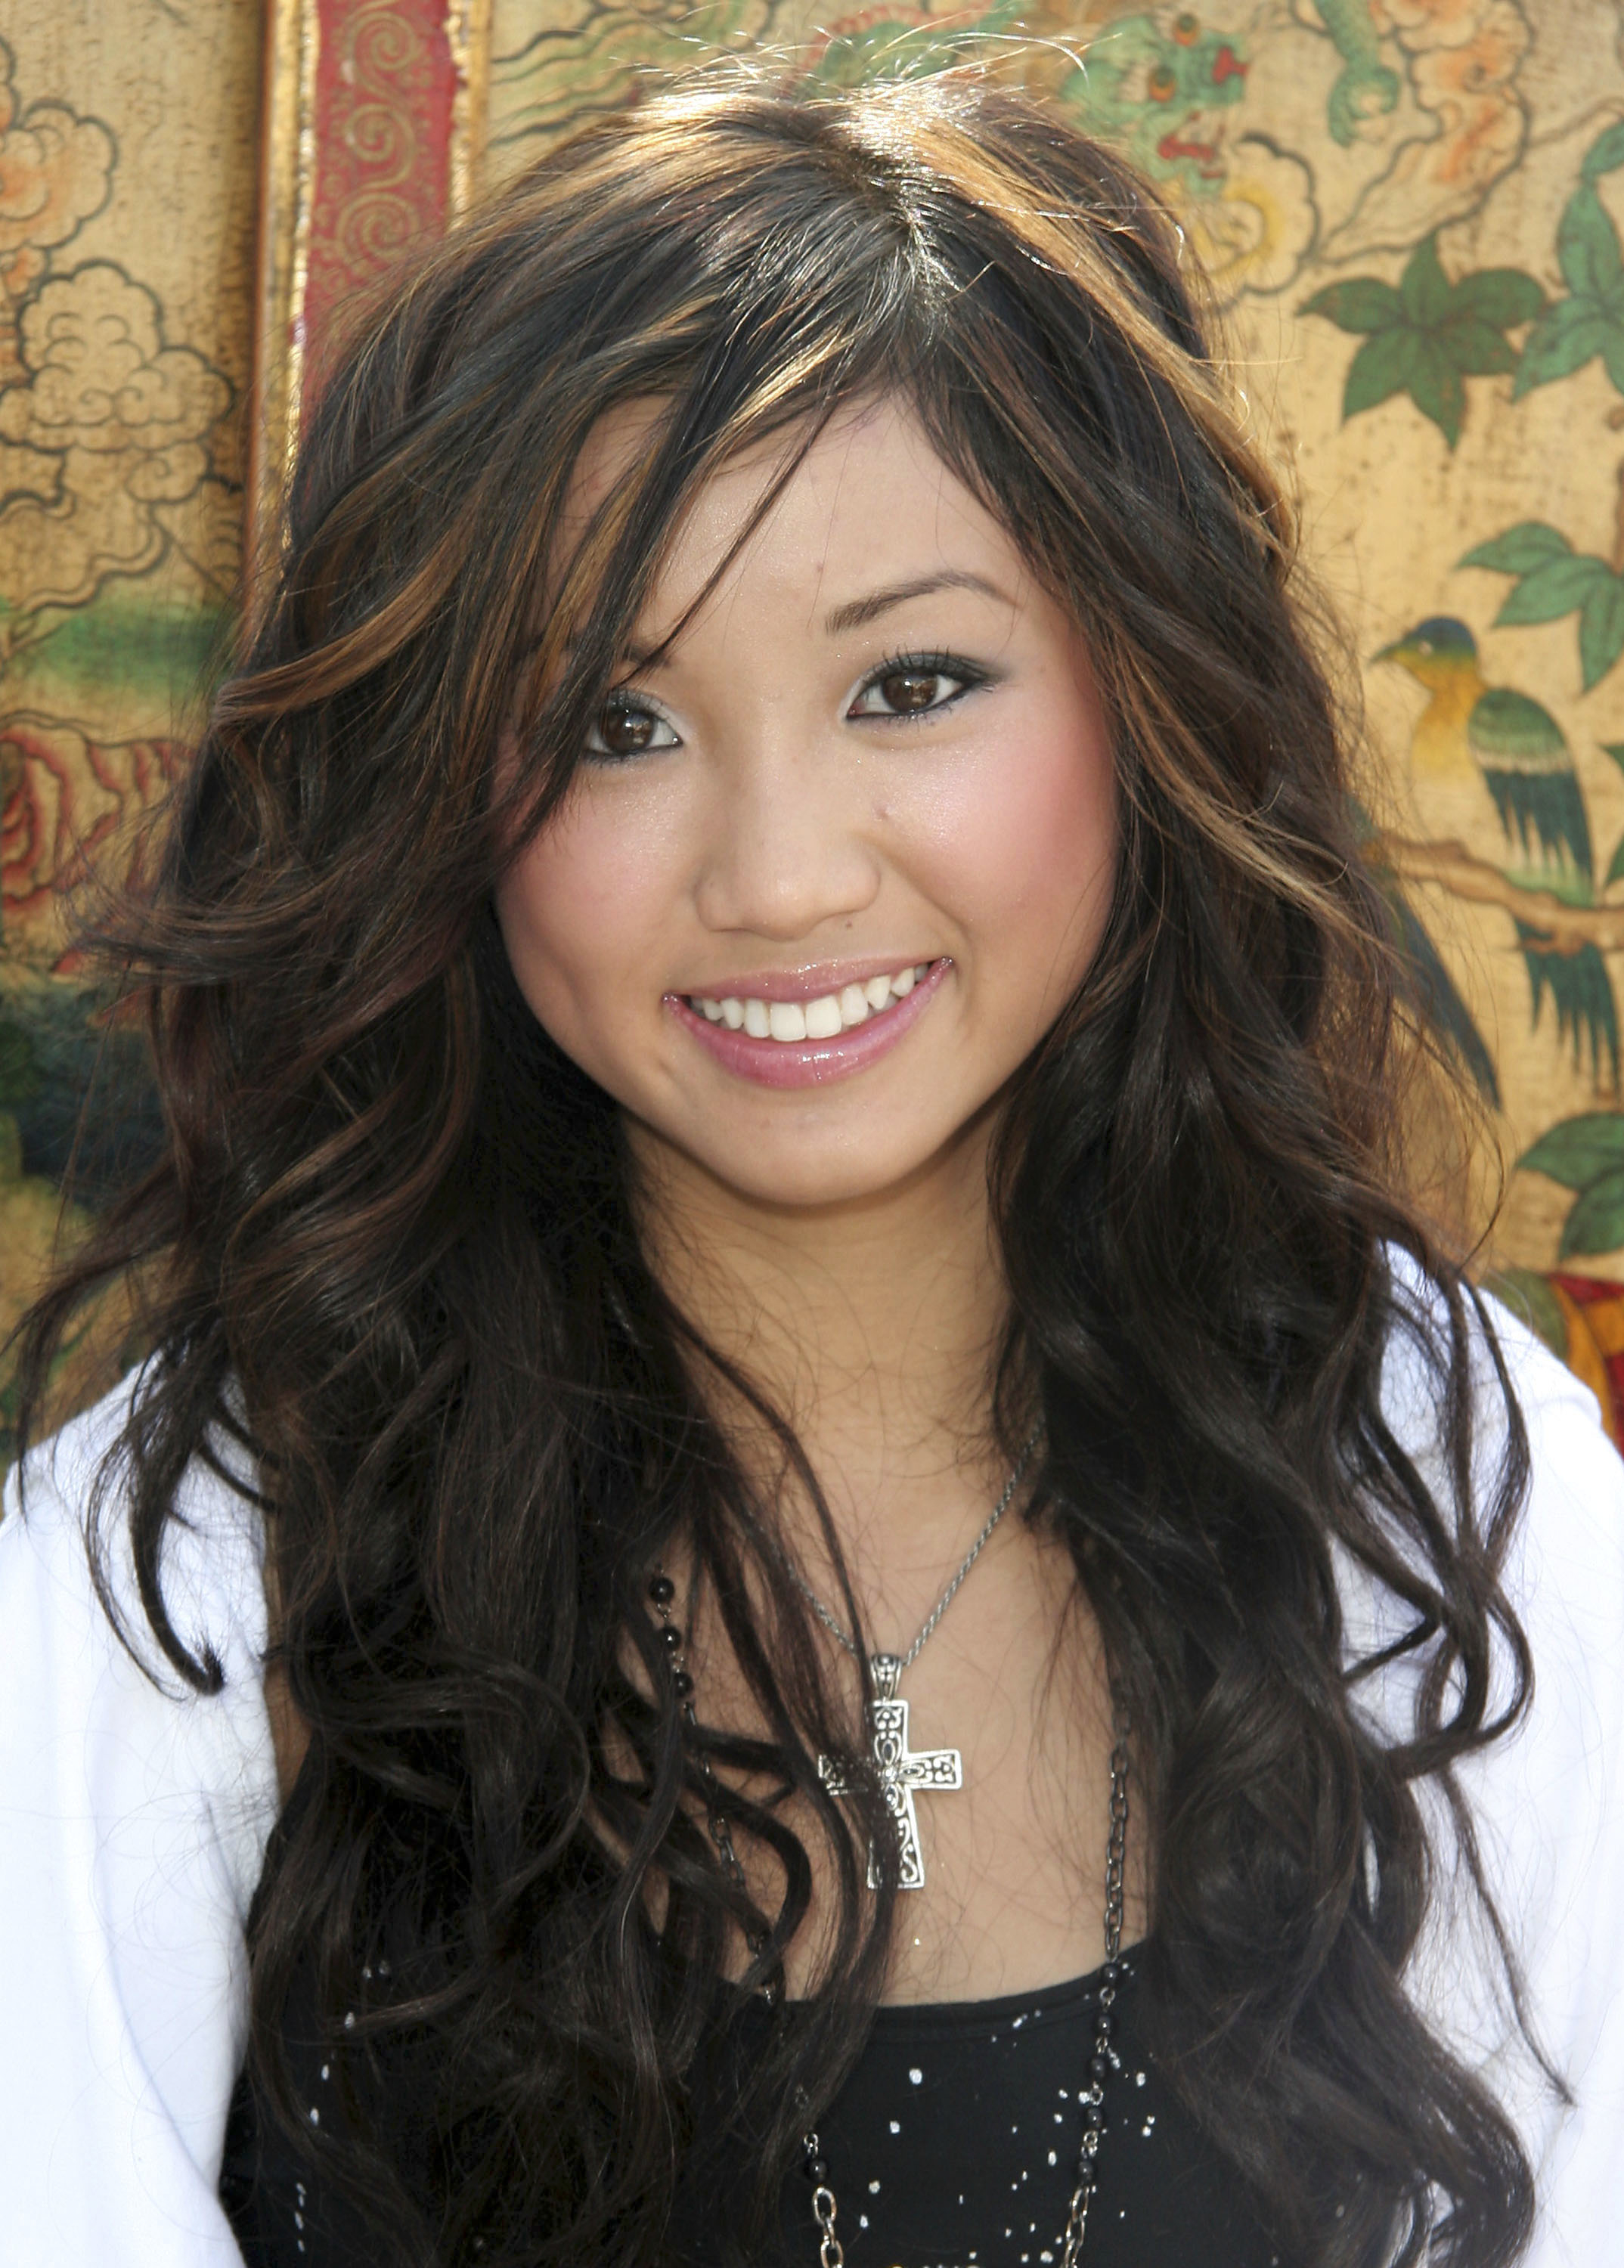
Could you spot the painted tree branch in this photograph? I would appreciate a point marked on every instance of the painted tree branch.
(1453, 866)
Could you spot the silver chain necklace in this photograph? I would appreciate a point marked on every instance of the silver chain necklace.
(830, 2253)
(906, 1661)
(901, 1773)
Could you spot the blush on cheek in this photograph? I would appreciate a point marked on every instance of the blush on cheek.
(1024, 836)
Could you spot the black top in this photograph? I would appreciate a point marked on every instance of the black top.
(953, 2145)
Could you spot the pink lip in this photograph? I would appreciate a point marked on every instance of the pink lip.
(810, 1063)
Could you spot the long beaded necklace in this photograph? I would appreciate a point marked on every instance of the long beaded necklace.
(830, 2253)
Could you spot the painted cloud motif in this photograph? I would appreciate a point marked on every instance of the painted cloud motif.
(56, 173)
(111, 424)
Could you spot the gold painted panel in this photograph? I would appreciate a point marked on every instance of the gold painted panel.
(128, 201)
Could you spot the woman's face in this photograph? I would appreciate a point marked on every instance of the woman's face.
(832, 864)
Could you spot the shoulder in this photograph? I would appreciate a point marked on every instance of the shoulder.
(1563, 1573)
(134, 1815)
(1545, 1801)
(82, 1675)
(71, 1491)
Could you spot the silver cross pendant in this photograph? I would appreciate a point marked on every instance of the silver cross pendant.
(900, 1771)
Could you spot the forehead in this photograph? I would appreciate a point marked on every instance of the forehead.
(870, 504)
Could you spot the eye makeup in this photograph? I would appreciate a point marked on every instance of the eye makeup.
(914, 685)
(927, 671)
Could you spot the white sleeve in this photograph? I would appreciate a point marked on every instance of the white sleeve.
(1547, 1803)
(132, 1823)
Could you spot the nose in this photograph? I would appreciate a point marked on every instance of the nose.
(787, 849)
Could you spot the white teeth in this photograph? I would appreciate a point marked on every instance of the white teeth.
(822, 1019)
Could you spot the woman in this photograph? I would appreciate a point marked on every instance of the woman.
(793, 1391)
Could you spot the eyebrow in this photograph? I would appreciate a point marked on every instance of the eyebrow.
(856, 612)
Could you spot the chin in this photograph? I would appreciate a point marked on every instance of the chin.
(806, 1177)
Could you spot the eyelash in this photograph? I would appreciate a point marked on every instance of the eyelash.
(966, 674)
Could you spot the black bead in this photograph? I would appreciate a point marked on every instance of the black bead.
(815, 2169)
(671, 1639)
(662, 1590)
(1099, 2068)
(682, 1684)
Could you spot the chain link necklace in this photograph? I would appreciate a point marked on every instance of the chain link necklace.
(825, 2206)
(903, 1772)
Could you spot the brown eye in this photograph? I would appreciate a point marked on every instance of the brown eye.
(625, 728)
(906, 691)
(916, 685)
(1187, 30)
(1163, 85)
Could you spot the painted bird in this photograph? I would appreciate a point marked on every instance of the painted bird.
(1471, 729)
(1433, 989)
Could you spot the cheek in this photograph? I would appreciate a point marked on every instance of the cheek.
(575, 911)
(1023, 841)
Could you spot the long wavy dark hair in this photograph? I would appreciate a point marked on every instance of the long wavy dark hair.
(391, 1242)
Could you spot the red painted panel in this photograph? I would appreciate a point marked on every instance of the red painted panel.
(382, 111)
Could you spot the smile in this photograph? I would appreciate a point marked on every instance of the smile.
(779, 1043)
(822, 1019)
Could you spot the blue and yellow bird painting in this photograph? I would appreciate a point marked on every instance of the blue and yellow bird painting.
(1434, 994)
(1470, 729)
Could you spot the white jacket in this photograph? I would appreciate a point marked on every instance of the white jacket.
(134, 1818)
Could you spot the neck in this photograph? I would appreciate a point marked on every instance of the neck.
(872, 1326)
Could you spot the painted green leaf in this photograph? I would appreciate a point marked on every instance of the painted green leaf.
(1562, 341)
(1603, 156)
(1615, 749)
(1436, 390)
(1587, 246)
(1578, 1151)
(1503, 297)
(1424, 287)
(1615, 867)
(1385, 364)
(1553, 590)
(1475, 347)
(1521, 549)
(1596, 1223)
(1601, 630)
(1612, 352)
(1362, 303)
